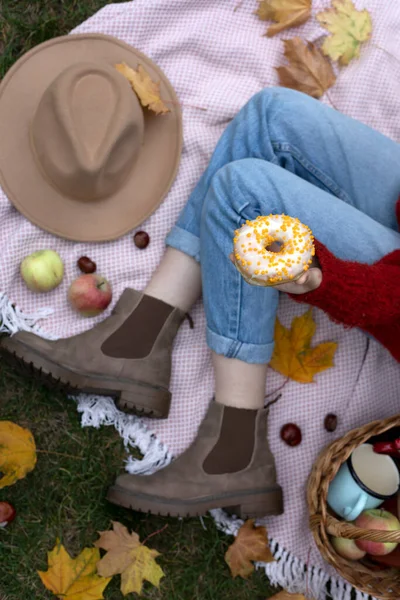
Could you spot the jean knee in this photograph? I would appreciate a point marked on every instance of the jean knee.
(227, 186)
(279, 104)
(234, 189)
(271, 98)
(277, 94)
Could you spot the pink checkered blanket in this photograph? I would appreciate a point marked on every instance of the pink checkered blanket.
(217, 58)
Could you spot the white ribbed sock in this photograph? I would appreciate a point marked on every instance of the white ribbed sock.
(238, 383)
(177, 280)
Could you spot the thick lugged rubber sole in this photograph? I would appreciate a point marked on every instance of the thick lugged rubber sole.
(133, 397)
(244, 504)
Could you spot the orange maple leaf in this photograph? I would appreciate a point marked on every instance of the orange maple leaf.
(17, 452)
(250, 545)
(74, 578)
(293, 356)
(285, 13)
(128, 557)
(308, 70)
(147, 90)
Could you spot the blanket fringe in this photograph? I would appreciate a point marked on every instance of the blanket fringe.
(291, 573)
(288, 571)
(12, 319)
(101, 410)
(95, 410)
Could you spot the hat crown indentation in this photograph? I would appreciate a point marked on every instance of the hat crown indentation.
(87, 131)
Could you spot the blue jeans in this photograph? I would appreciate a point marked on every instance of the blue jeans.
(285, 153)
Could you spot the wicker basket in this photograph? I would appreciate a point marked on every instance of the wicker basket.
(382, 583)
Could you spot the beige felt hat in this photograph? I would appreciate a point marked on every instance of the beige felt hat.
(79, 156)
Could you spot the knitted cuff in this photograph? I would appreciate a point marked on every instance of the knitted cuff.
(356, 294)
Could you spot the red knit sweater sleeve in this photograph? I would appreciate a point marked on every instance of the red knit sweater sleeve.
(357, 294)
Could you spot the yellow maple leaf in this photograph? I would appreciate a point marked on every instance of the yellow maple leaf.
(349, 28)
(17, 452)
(147, 90)
(250, 545)
(286, 13)
(74, 578)
(293, 356)
(128, 557)
(308, 70)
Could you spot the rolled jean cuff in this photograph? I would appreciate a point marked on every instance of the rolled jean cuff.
(249, 353)
(184, 241)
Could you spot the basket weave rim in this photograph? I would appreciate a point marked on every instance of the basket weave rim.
(384, 584)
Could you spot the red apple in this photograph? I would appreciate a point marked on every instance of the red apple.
(378, 519)
(347, 548)
(389, 560)
(7, 513)
(90, 294)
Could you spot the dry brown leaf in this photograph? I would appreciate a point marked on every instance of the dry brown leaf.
(286, 13)
(128, 557)
(17, 452)
(349, 28)
(147, 90)
(250, 545)
(308, 70)
(293, 356)
(74, 578)
(284, 595)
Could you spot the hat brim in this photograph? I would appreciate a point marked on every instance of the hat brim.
(23, 182)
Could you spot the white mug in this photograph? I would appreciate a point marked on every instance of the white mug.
(365, 481)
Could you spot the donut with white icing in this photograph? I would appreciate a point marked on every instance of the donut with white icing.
(263, 267)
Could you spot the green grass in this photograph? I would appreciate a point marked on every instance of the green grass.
(26, 23)
(64, 497)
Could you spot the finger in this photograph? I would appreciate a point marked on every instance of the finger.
(232, 258)
(314, 279)
(303, 279)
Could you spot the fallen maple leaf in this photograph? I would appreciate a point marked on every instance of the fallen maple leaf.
(74, 578)
(349, 28)
(17, 452)
(128, 557)
(293, 356)
(147, 90)
(286, 13)
(284, 595)
(308, 70)
(251, 544)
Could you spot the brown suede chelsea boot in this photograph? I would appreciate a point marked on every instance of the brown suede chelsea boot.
(128, 355)
(229, 465)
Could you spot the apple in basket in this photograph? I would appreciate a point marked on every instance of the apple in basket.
(347, 548)
(378, 519)
(90, 294)
(42, 271)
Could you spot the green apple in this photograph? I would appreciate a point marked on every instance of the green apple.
(42, 271)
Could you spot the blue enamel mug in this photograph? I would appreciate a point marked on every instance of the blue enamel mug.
(364, 481)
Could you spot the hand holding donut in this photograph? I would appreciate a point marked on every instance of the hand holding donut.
(306, 283)
(278, 251)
